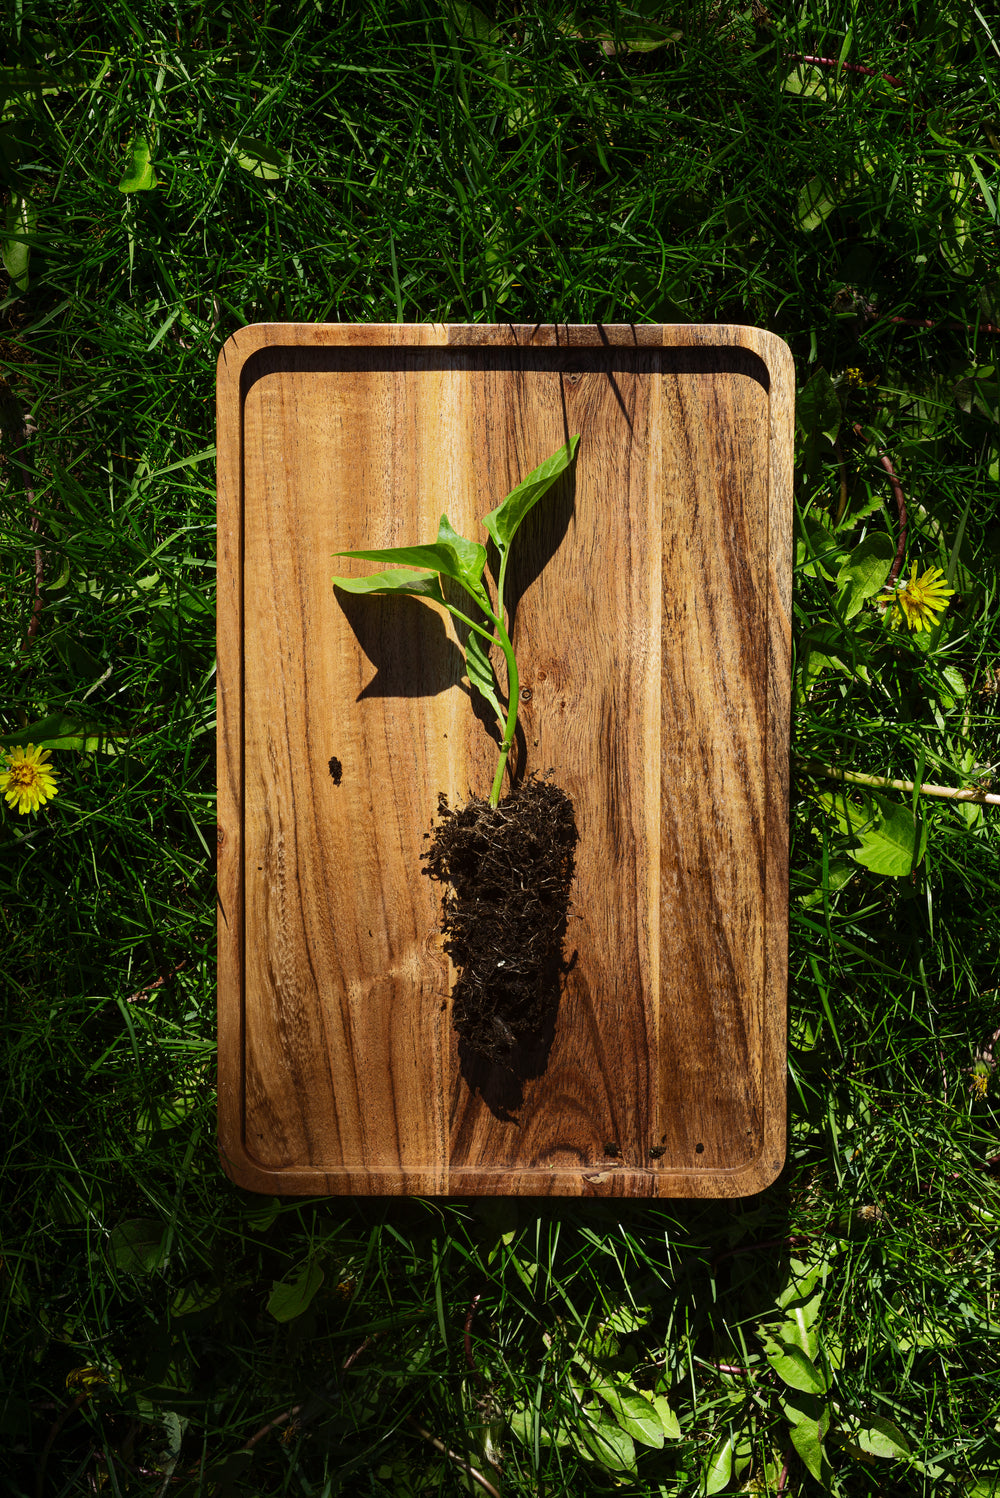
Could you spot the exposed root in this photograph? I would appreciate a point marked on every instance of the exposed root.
(509, 870)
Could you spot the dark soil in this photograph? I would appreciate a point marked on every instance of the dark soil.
(508, 871)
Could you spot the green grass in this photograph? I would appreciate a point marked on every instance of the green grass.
(410, 161)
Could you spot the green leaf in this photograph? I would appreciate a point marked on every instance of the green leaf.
(522, 1424)
(895, 844)
(261, 1211)
(403, 580)
(438, 557)
(480, 672)
(174, 1426)
(608, 1443)
(839, 873)
(646, 36)
(807, 1440)
(956, 682)
(816, 550)
(669, 1421)
(801, 1302)
(138, 175)
(864, 573)
(635, 1413)
(793, 1366)
(502, 523)
(800, 1329)
(718, 1466)
(801, 1409)
(62, 731)
(471, 554)
(813, 84)
(802, 1280)
(260, 159)
(19, 223)
(817, 407)
(985, 1486)
(191, 1299)
(828, 646)
(471, 22)
(265, 162)
(879, 1437)
(891, 840)
(137, 1245)
(818, 198)
(815, 204)
(289, 1298)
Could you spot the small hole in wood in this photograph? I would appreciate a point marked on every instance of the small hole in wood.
(699, 1149)
(336, 769)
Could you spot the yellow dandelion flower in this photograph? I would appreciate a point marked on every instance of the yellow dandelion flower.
(87, 1378)
(28, 781)
(918, 601)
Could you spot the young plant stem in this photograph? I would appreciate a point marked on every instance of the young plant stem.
(880, 782)
(513, 685)
(457, 614)
(513, 689)
(501, 638)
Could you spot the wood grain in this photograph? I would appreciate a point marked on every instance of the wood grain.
(650, 599)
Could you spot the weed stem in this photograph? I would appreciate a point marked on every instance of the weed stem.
(453, 1456)
(947, 792)
(900, 498)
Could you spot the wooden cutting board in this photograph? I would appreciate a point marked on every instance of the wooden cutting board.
(651, 599)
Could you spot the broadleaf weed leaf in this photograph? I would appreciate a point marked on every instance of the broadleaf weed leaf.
(864, 573)
(807, 1440)
(717, 1467)
(633, 1411)
(877, 1436)
(818, 411)
(138, 175)
(793, 1366)
(502, 523)
(609, 1444)
(289, 1298)
(20, 221)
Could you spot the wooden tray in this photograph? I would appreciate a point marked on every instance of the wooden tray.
(652, 597)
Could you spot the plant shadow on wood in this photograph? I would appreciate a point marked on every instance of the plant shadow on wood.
(407, 644)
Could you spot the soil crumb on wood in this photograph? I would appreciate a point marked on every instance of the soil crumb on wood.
(508, 871)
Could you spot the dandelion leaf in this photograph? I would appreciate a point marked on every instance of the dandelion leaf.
(864, 573)
(138, 175)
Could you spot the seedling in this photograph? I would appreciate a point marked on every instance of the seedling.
(421, 570)
(507, 867)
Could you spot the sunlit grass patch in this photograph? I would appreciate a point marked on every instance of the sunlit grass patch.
(828, 174)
